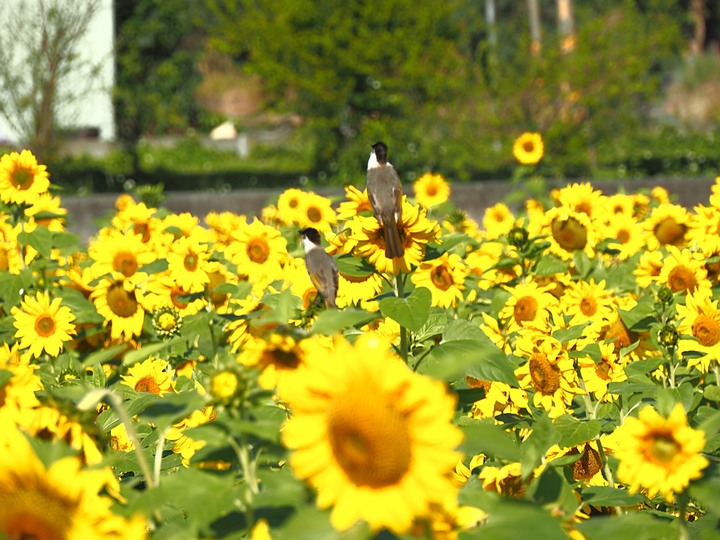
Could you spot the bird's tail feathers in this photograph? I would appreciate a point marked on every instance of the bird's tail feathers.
(393, 243)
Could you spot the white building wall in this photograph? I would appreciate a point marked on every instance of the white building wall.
(94, 107)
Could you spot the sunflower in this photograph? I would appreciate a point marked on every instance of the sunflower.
(184, 445)
(22, 179)
(498, 221)
(151, 375)
(684, 271)
(60, 500)
(500, 398)
(667, 225)
(258, 250)
(17, 396)
(506, 480)
(431, 190)
(222, 225)
(528, 148)
(289, 206)
(416, 230)
(529, 303)
(47, 211)
(163, 292)
(597, 375)
(699, 327)
(188, 263)
(185, 225)
(43, 325)
(140, 219)
(627, 234)
(619, 204)
(658, 454)
(355, 290)
(356, 203)
(444, 277)
(119, 252)
(483, 264)
(583, 199)
(568, 232)
(316, 212)
(384, 460)
(549, 372)
(648, 268)
(586, 301)
(120, 303)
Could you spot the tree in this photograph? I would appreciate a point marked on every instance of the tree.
(351, 69)
(158, 46)
(38, 55)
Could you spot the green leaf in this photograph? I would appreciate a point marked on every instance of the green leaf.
(549, 265)
(563, 335)
(706, 492)
(574, 432)
(83, 309)
(108, 419)
(171, 408)
(40, 239)
(332, 321)
(506, 520)
(410, 312)
(354, 267)
(5, 377)
(610, 496)
(311, 523)
(283, 307)
(480, 358)
(462, 329)
(279, 488)
(535, 446)
(638, 526)
(641, 316)
(155, 267)
(11, 286)
(488, 439)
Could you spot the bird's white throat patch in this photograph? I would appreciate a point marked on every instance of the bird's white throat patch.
(309, 244)
(372, 161)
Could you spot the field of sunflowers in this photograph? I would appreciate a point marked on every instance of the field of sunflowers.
(553, 370)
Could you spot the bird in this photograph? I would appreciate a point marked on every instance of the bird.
(384, 190)
(321, 266)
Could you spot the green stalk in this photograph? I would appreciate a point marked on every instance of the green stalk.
(400, 293)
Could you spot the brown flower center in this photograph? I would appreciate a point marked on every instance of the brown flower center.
(619, 334)
(545, 376)
(431, 191)
(706, 329)
(148, 384)
(584, 207)
(528, 146)
(525, 309)
(570, 234)
(663, 448)
(441, 278)
(371, 443)
(121, 302)
(314, 214)
(258, 251)
(293, 203)
(36, 512)
(45, 325)
(588, 306)
(190, 262)
(283, 359)
(668, 231)
(623, 236)
(683, 279)
(21, 178)
(125, 262)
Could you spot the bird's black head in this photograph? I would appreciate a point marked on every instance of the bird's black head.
(311, 234)
(380, 149)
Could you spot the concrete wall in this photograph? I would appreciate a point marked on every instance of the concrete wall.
(473, 198)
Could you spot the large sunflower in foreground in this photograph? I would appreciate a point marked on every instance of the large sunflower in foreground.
(43, 325)
(384, 460)
(528, 148)
(59, 501)
(658, 454)
(22, 179)
(416, 230)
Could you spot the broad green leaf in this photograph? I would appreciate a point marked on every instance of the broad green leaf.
(488, 439)
(712, 392)
(549, 265)
(510, 520)
(40, 239)
(563, 335)
(66, 242)
(171, 408)
(706, 492)
(11, 286)
(279, 488)
(635, 525)
(640, 316)
(535, 446)
(462, 329)
(453, 359)
(108, 419)
(283, 307)
(410, 312)
(610, 496)
(311, 523)
(155, 267)
(354, 267)
(83, 309)
(434, 326)
(643, 366)
(573, 431)
(332, 321)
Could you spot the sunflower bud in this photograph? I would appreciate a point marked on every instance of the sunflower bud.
(167, 322)
(665, 295)
(227, 386)
(518, 237)
(668, 336)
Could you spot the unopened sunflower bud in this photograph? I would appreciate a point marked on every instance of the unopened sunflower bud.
(518, 237)
(167, 322)
(668, 336)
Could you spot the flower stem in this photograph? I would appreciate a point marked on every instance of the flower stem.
(400, 293)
